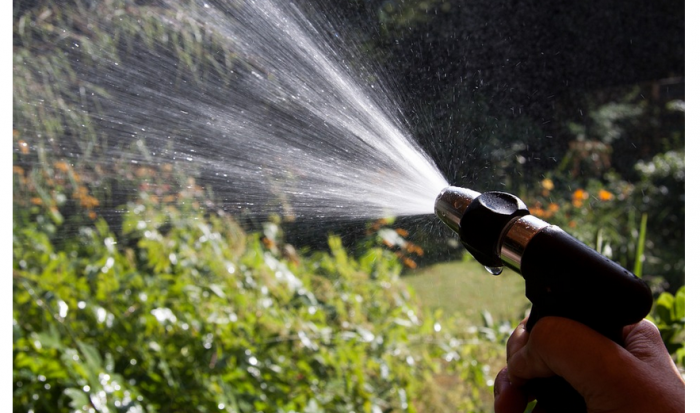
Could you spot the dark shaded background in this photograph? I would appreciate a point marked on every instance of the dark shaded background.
(520, 59)
(482, 82)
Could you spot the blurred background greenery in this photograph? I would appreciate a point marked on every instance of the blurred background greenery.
(135, 289)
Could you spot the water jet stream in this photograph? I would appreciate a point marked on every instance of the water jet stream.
(293, 126)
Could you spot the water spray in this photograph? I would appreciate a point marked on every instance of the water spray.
(563, 277)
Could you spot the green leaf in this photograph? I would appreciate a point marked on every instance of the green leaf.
(639, 254)
(79, 400)
(216, 289)
(680, 356)
(665, 305)
(92, 357)
(50, 339)
(680, 304)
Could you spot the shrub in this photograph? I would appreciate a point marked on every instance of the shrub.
(178, 309)
(607, 213)
(669, 315)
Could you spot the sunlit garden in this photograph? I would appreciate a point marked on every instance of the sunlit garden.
(137, 286)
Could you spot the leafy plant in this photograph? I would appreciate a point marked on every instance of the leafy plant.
(177, 308)
(669, 316)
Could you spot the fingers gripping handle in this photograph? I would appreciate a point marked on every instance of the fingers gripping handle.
(566, 278)
(553, 394)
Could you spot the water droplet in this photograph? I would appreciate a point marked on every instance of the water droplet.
(494, 270)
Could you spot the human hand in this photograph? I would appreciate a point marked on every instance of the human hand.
(637, 377)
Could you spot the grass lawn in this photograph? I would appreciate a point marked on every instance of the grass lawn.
(466, 288)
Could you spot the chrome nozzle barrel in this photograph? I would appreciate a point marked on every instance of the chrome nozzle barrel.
(451, 204)
(495, 227)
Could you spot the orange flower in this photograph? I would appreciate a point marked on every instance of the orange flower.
(61, 166)
(547, 184)
(92, 215)
(81, 192)
(87, 201)
(268, 243)
(90, 202)
(605, 195)
(413, 248)
(410, 263)
(553, 207)
(36, 201)
(580, 194)
(572, 224)
(143, 171)
(538, 212)
(378, 224)
(402, 232)
(578, 197)
(18, 170)
(23, 147)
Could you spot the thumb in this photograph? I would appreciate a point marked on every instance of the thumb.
(589, 361)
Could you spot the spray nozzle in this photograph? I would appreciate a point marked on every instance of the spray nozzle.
(480, 220)
(563, 277)
(451, 204)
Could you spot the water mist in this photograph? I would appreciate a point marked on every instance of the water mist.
(288, 130)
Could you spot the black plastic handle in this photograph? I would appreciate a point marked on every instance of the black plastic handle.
(566, 278)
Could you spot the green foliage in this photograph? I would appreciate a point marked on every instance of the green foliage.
(631, 222)
(177, 309)
(669, 316)
(611, 120)
(165, 304)
(60, 46)
(603, 188)
(639, 253)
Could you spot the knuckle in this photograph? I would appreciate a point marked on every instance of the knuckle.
(516, 341)
(648, 330)
(544, 328)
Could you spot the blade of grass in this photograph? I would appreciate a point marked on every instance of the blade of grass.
(639, 255)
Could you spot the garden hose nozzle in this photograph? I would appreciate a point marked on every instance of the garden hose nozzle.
(563, 277)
